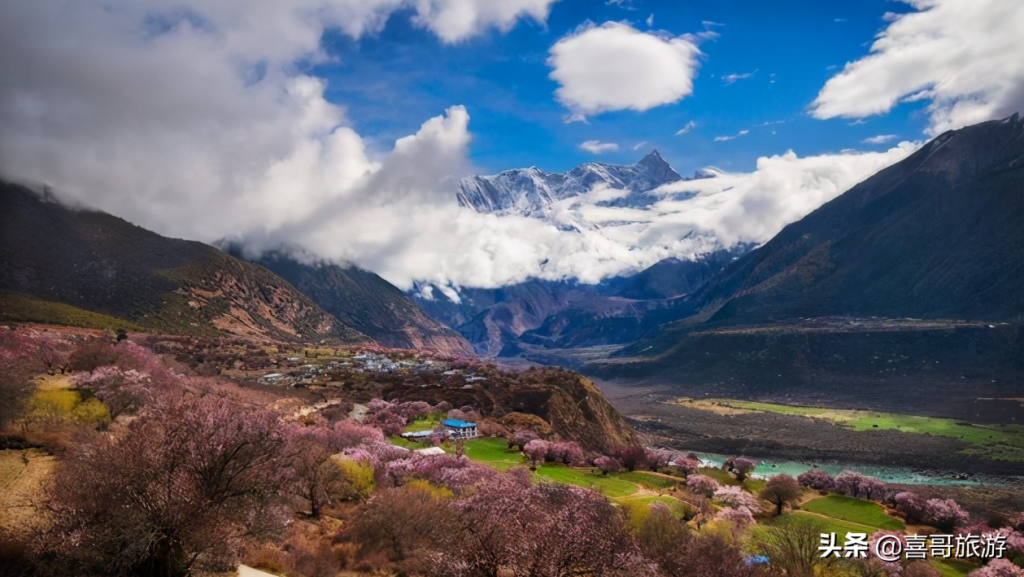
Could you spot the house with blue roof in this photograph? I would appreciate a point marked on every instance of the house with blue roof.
(459, 429)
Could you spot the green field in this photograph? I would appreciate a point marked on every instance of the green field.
(994, 442)
(493, 452)
(853, 510)
(426, 424)
(610, 485)
(648, 481)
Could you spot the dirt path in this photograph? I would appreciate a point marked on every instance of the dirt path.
(22, 474)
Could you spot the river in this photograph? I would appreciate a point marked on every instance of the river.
(892, 475)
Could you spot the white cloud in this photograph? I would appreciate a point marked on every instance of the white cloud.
(203, 127)
(880, 139)
(732, 78)
(640, 145)
(961, 56)
(686, 128)
(616, 67)
(598, 147)
(455, 20)
(734, 137)
(650, 20)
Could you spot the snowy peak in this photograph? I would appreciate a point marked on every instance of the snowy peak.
(528, 191)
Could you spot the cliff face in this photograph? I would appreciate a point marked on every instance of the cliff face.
(569, 403)
(55, 261)
(577, 411)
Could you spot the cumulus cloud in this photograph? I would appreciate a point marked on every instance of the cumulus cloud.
(733, 137)
(616, 67)
(597, 147)
(963, 57)
(686, 128)
(880, 139)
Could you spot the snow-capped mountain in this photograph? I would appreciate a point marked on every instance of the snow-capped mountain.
(529, 191)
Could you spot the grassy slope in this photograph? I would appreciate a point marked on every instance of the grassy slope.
(23, 308)
(495, 452)
(1004, 442)
(853, 510)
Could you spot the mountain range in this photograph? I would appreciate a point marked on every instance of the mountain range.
(531, 191)
(905, 289)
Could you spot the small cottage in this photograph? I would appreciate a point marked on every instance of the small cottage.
(459, 429)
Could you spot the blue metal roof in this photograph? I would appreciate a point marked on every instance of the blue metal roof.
(457, 424)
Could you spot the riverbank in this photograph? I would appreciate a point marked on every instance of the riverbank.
(909, 458)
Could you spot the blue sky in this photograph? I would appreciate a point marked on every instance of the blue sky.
(390, 81)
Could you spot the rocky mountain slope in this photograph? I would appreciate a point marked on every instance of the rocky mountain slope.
(61, 265)
(907, 290)
(364, 301)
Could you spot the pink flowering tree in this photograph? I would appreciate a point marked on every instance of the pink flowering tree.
(458, 473)
(510, 526)
(685, 465)
(853, 484)
(781, 490)
(607, 464)
(566, 452)
(522, 437)
(741, 467)
(998, 568)
(633, 457)
(536, 451)
(178, 493)
(738, 517)
(816, 479)
(702, 485)
(736, 497)
(944, 514)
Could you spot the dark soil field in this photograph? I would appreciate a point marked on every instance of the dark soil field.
(791, 437)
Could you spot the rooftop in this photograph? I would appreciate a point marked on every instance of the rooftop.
(457, 424)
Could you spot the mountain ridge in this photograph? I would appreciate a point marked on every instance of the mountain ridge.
(528, 191)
